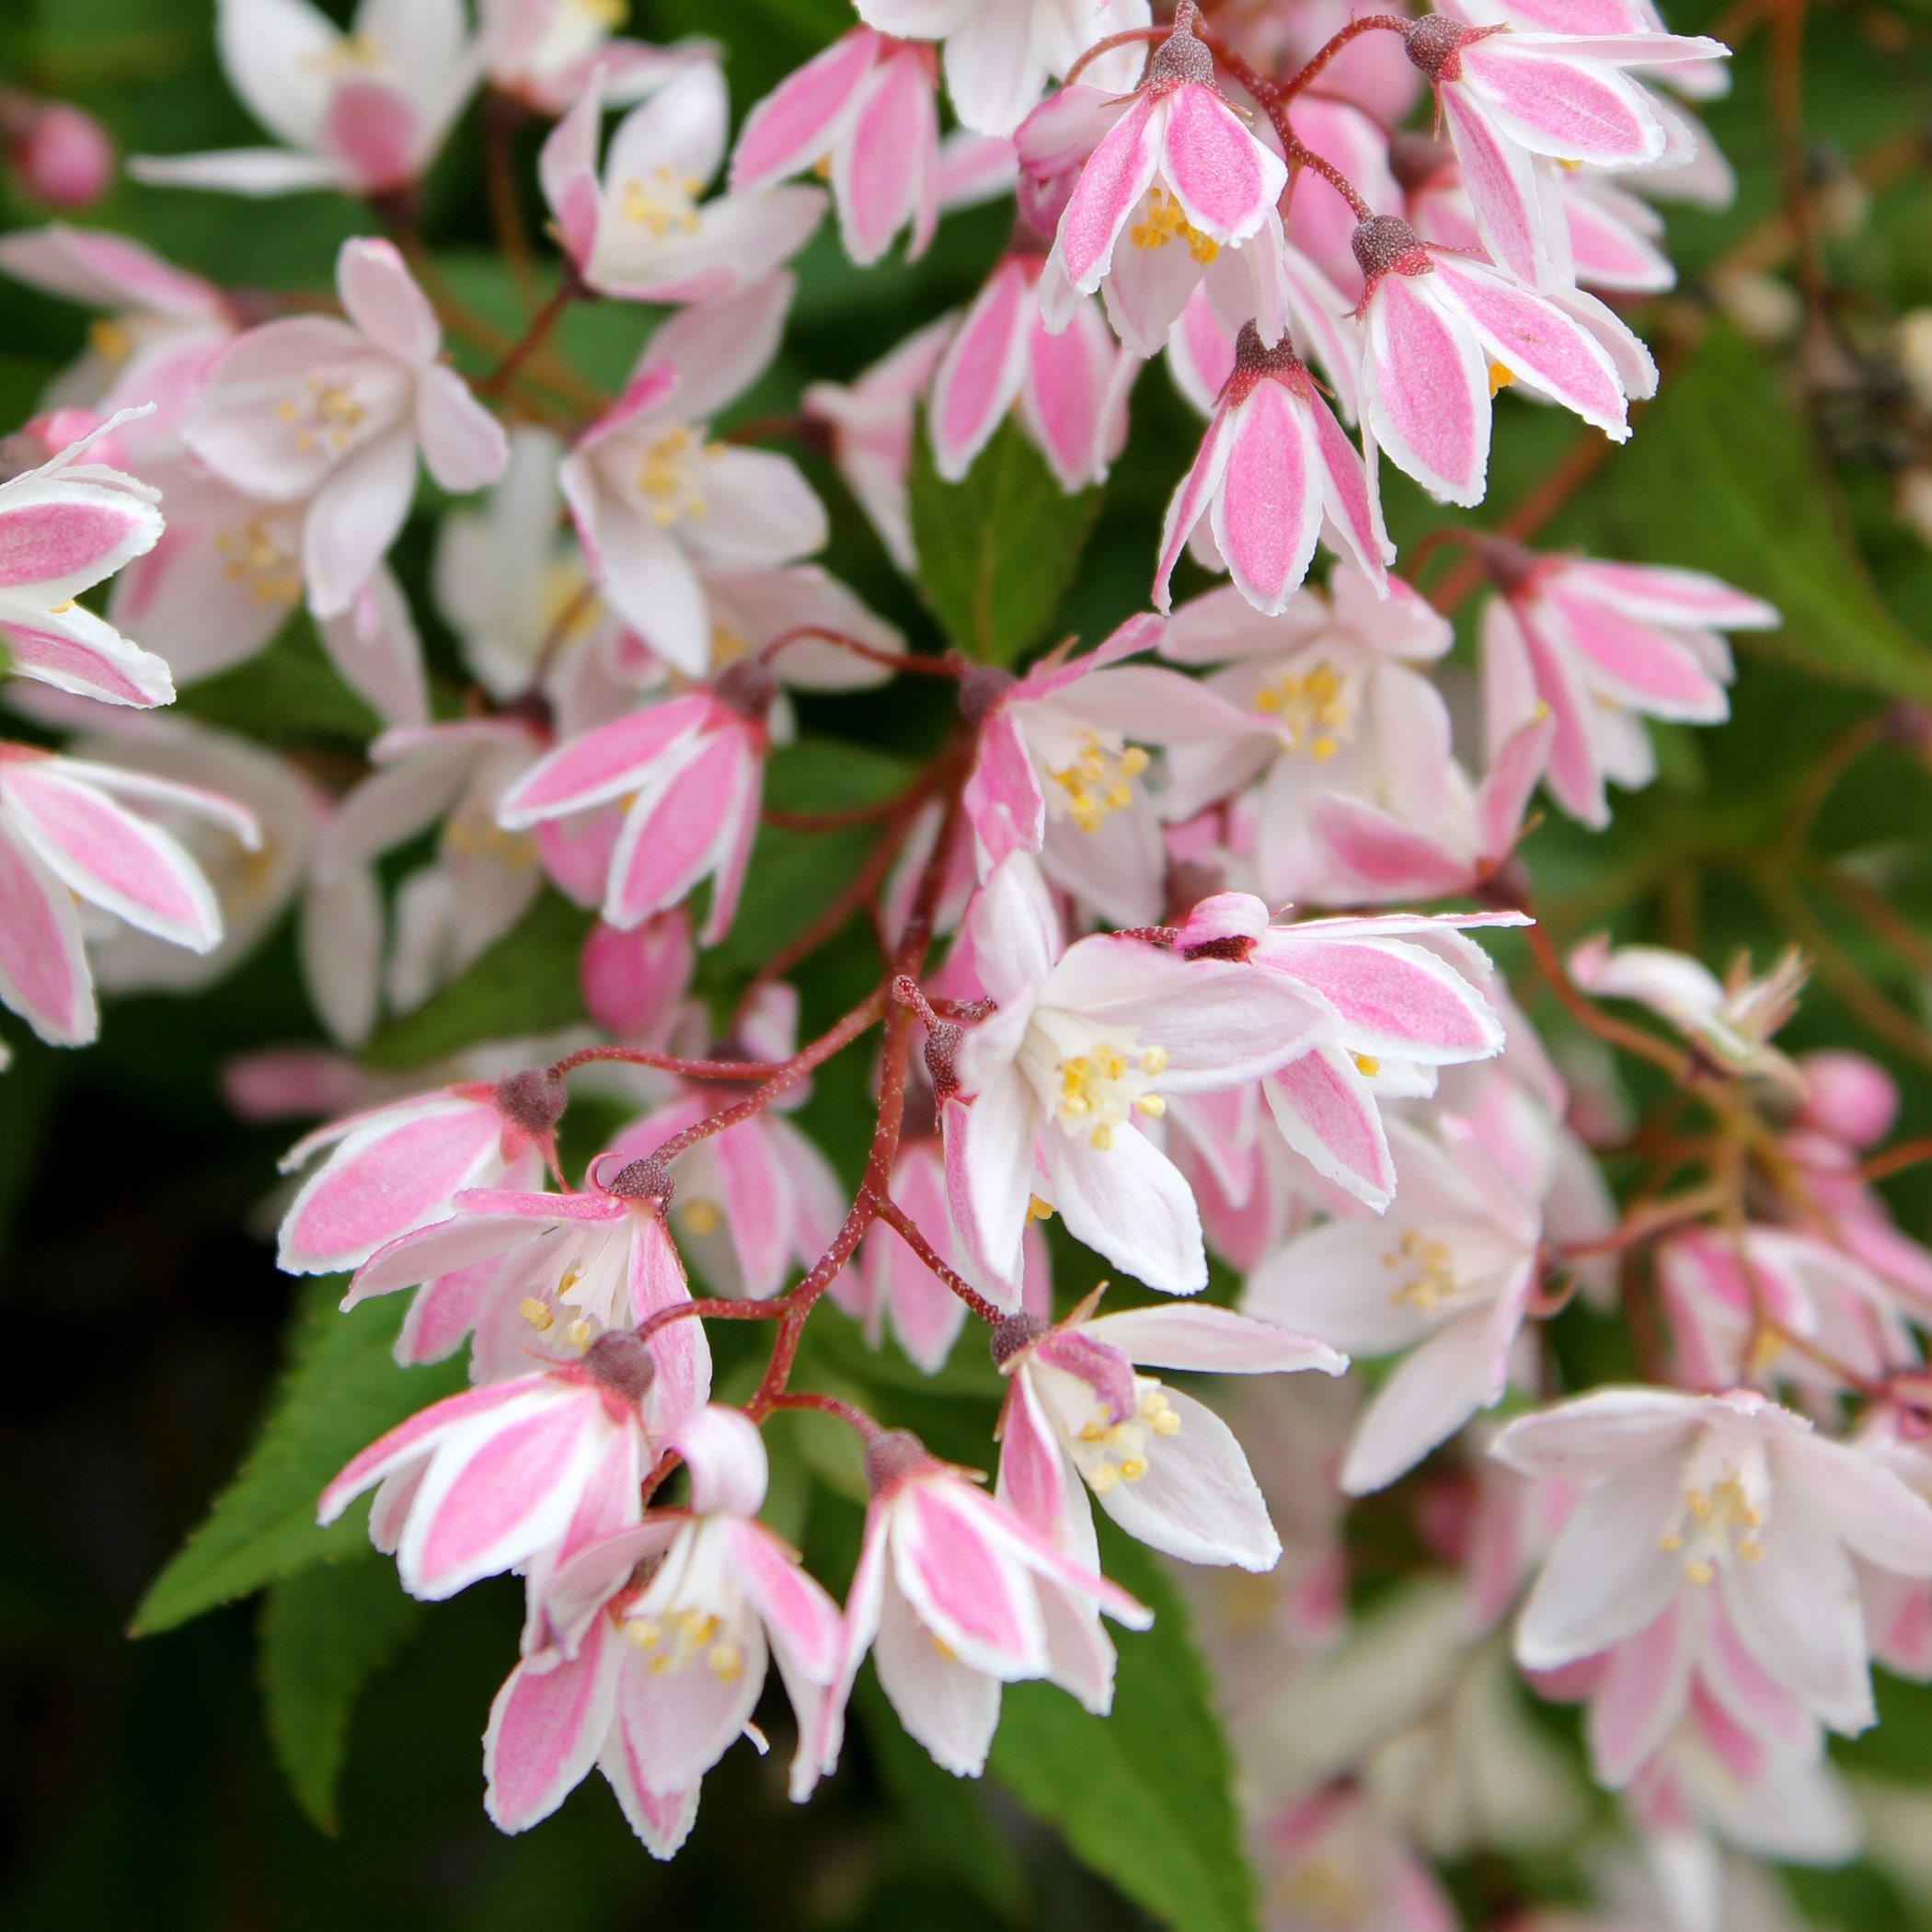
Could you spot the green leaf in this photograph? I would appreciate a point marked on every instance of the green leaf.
(1721, 474)
(325, 1632)
(526, 982)
(996, 551)
(289, 690)
(1145, 1796)
(343, 1389)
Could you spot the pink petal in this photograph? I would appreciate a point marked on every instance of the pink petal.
(880, 167)
(1388, 858)
(672, 834)
(1197, 490)
(1500, 178)
(1268, 511)
(1032, 1465)
(1188, 1335)
(77, 651)
(372, 128)
(545, 1730)
(1117, 174)
(964, 1588)
(1069, 382)
(1354, 512)
(601, 764)
(1328, 1116)
(1426, 391)
(981, 371)
(411, 1441)
(58, 538)
(354, 518)
(43, 971)
(1225, 180)
(804, 116)
(464, 446)
(384, 302)
(1572, 110)
(1003, 797)
(1394, 998)
(1642, 1697)
(758, 1206)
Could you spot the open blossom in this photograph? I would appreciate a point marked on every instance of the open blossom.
(1444, 1274)
(1730, 1021)
(537, 1466)
(364, 111)
(1178, 178)
(68, 839)
(655, 1682)
(398, 1167)
(1165, 1468)
(1434, 324)
(1333, 696)
(1397, 997)
(954, 1595)
(543, 52)
(1687, 1492)
(1518, 102)
(1274, 473)
(998, 53)
(330, 415)
(63, 527)
(863, 110)
(1084, 1042)
(1060, 764)
(638, 229)
(870, 420)
(1070, 386)
(1602, 646)
(656, 501)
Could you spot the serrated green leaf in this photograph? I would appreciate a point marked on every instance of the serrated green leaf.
(526, 982)
(325, 1632)
(341, 1390)
(1145, 1796)
(997, 549)
(1721, 474)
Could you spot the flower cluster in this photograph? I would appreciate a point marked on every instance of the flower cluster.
(1158, 966)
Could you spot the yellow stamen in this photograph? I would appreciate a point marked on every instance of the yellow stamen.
(1166, 222)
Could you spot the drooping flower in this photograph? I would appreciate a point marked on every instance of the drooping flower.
(364, 111)
(655, 500)
(1175, 180)
(1686, 1492)
(1084, 1041)
(954, 1595)
(1165, 1467)
(1602, 646)
(654, 1680)
(67, 838)
(330, 415)
(1275, 472)
(640, 229)
(1438, 326)
(998, 53)
(864, 112)
(401, 1166)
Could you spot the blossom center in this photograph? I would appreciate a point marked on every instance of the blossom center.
(686, 1635)
(662, 200)
(1311, 709)
(670, 479)
(323, 413)
(1724, 1503)
(1107, 1451)
(254, 555)
(1164, 221)
(1098, 781)
(1090, 1082)
(1432, 1282)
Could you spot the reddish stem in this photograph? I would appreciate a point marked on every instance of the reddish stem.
(948, 666)
(1895, 1160)
(1631, 1039)
(671, 1063)
(1369, 23)
(708, 1311)
(530, 340)
(829, 1405)
(896, 1217)
(1110, 43)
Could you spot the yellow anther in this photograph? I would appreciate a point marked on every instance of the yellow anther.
(1133, 1469)
(534, 1313)
(1312, 707)
(1099, 782)
(1039, 1209)
(577, 1335)
(1500, 377)
(726, 1661)
(110, 339)
(662, 201)
(1101, 1137)
(1434, 1280)
(1749, 1550)
(1669, 1541)
(1699, 1570)
(702, 1216)
(1102, 1476)
(1154, 1061)
(645, 1632)
(1152, 1105)
(1366, 1063)
(668, 477)
(1165, 222)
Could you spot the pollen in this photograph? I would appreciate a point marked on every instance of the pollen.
(1098, 1089)
(1099, 782)
(662, 201)
(110, 339)
(253, 557)
(1110, 1449)
(670, 477)
(1500, 377)
(535, 1312)
(1366, 1063)
(1165, 222)
(1432, 1280)
(1039, 1209)
(1720, 1512)
(324, 415)
(1312, 707)
(577, 1335)
(702, 1216)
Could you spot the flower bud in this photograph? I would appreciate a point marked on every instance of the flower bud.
(534, 1100)
(63, 156)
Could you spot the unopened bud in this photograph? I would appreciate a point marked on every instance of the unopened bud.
(746, 687)
(892, 1457)
(1182, 56)
(942, 1058)
(534, 1100)
(646, 1179)
(1012, 1334)
(620, 1362)
(63, 156)
(981, 689)
(1386, 242)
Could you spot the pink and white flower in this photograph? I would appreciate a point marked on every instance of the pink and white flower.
(1275, 472)
(1059, 764)
(1519, 102)
(657, 1681)
(640, 229)
(1070, 385)
(869, 422)
(1602, 646)
(998, 53)
(1438, 325)
(543, 52)
(1446, 1275)
(63, 527)
(363, 111)
(535, 1469)
(330, 415)
(865, 107)
(66, 840)
(401, 1166)
(954, 1595)
(1084, 1041)
(656, 501)
(1165, 1467)
(1688, 1491)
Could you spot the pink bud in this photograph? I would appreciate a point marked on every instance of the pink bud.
(631, 979)
(1850, 1098)
(63, 156)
